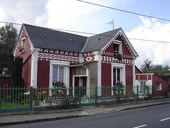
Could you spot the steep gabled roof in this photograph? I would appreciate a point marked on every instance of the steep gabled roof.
(41, 37)
(52, 39)
(97, 42)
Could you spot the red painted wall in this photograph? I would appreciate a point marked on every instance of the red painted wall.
(156, 80)
(129, 75)
(106, 75)
(26, 55)
(106, 79)
(26, 72)
(110, 48)
(43, 73)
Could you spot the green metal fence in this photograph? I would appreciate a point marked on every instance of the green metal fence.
(14, 100)
(22, 99)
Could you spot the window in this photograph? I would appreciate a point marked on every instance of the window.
(58, 73)
(116, 48)
(116, 75)
(142, 86)
(159, 87)
(22, 47)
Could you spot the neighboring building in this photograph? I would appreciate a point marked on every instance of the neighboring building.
(158, 86)
(4, 81)
(101, 60)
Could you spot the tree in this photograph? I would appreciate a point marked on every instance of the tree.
(158, 69)
(8, 36)
(146, 66)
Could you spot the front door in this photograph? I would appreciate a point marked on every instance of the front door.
(80, 82)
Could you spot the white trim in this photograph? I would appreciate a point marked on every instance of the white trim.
(123, 78)
(99, 68)
(66, 71)
(134, 75)
(34, 65)
(88, 82)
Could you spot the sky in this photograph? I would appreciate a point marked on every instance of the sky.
(78, 16)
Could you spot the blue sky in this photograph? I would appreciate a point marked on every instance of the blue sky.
(78, 16)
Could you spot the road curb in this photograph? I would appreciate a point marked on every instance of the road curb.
(40, 120)
(83, 115)
(143, 106)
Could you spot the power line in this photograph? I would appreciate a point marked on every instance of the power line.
(158, 41)
(81, 32)
(10, 23)
(126, 11)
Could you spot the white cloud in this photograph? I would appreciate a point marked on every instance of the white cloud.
(157, 52)
(75, 15)
(23, 11)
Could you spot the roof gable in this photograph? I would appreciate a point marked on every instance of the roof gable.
(97, 42)
(101, 41)
(52, 39)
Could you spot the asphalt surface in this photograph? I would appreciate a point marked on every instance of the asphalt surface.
(147, 117)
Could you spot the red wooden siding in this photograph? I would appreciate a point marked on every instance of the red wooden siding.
(129, 75)
(26, 72)
(143, 77)
(106, 75)
(106, 79)
(110, 49)
(27, 52)
(156, 80)
(26, 55)
(43, 73)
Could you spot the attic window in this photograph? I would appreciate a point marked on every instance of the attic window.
(22, 47)
(117, 47)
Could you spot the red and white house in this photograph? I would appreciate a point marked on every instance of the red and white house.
(157, 84)
(101, 60)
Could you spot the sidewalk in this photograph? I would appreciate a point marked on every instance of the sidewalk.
(73, 113)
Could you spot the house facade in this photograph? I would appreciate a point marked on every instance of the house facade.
(101, 60)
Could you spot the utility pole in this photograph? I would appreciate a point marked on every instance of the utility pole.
(111, 23)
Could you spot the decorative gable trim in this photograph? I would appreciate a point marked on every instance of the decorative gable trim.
(127, 43)
(23, 29)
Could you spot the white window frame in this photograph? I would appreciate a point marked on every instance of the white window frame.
(23, 40)
(120, 46)
(66, 71)
(122, 73)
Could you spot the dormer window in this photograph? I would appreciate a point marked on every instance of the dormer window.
(116, 48)
(22, 47)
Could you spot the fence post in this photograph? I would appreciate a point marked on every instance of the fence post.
(80, 94)
(30, 98)
(137, 92)
(96, 95)
(118, 91)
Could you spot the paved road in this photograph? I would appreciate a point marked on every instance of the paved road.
(149, 117)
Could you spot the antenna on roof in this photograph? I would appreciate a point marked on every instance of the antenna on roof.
(112, 23)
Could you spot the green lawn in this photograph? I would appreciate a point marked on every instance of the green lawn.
(13, 105)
